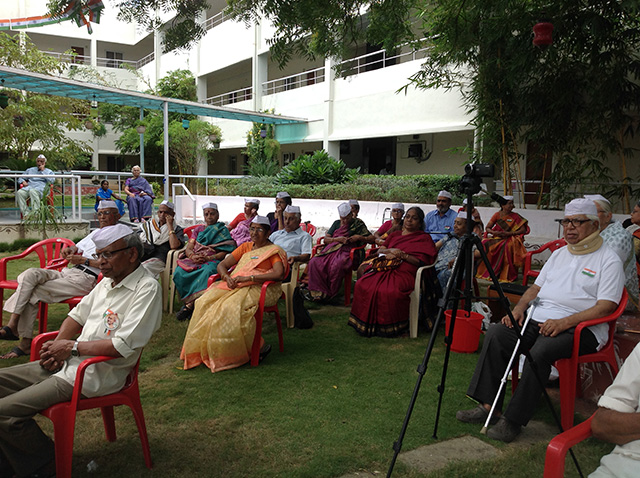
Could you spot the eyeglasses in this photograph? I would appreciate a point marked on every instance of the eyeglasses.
(104, 213)
(573, 222)
(108, 254)
(256, 229)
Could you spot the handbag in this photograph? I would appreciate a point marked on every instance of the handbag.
(382, 263)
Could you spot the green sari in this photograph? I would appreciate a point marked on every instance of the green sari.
(191, 278)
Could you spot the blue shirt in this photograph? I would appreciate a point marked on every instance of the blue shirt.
(439, 224)
(37, 183)
(294, 243)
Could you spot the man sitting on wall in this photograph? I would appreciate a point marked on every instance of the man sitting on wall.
(159, 236)
(37, 285)
(581, 281)
(116, 319)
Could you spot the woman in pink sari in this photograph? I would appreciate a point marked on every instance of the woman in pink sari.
(328, 267)
(381, 299)
(504, 243)
(239, 227)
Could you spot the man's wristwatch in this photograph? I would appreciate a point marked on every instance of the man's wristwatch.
(74, 350)
(87, 262)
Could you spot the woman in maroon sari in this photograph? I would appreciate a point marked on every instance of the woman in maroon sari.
(381, 299)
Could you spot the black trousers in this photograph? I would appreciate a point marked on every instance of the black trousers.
(499, 343)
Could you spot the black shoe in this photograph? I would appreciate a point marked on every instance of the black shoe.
(264, 351)
(184, 314)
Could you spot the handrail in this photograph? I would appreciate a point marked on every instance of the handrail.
(76, 202)
(186, 190)
(294, 81)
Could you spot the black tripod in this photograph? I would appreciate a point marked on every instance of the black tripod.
(463, 274)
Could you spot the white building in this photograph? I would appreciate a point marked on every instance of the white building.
(359, 118)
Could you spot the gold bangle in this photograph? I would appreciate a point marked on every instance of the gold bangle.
(252, 279)
(172, 232)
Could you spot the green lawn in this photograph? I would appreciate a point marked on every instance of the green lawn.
(332, 403)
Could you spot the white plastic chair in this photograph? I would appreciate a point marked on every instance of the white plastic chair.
(414, 307)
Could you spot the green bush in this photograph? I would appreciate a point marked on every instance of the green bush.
(410, 189)
(319, 168)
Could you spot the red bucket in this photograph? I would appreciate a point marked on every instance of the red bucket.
(466, 335)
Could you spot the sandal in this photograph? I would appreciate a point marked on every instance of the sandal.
(184, 314)
(8, 334)
(17, 351)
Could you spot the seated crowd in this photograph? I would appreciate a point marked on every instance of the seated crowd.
(581, 281)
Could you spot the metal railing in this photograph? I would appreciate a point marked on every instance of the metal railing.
(189, 195)
(73, 59)
(215, 20)
(76, 189)
(231, 97)
(306, 78)
(379, 59)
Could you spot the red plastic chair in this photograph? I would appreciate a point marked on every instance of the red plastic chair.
(570, 385)
(50, 199)
(551, 246)
(308, 227)
(259, 315)
(63, 415)
(48, 252)
(559, 446)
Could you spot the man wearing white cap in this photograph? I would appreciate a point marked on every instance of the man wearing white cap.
(440, 221)
(159, 236)
(37, 285)
(295, 242)
(117, 319)
(283, 199)
(581, 281)
(32, 188)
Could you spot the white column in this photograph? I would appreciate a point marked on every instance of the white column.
(331, 147)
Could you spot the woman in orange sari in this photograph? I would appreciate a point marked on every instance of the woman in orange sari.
(222, 328)
(504, 243)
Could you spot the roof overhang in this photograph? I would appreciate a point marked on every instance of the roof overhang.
(58, 86)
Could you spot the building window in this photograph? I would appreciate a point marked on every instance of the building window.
(114, 59)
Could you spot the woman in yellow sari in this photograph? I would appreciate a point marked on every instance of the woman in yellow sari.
(504, 243)
(222, 328)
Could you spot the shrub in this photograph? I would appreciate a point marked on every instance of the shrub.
(319, 168)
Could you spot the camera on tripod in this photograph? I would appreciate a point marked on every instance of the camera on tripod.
(470, 182)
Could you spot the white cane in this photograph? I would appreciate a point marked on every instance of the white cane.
(515, 353)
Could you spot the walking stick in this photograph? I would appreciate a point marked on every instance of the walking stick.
(515, 353)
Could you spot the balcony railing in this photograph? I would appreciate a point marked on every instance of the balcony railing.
(306, 78)
(379, 59)
(104, 62)
(230, 97)
(215, 20)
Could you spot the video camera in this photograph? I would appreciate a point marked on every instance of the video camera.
(470, 182)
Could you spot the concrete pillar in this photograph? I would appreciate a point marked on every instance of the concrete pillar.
(329, 81)
(259, 69)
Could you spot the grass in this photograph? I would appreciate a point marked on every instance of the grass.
(331, 404)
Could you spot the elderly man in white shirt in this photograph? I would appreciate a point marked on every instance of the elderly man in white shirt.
(37, 285)
(583, 280)
(295, 242)
(116, 319)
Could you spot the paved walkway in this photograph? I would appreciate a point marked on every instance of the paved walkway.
(467, 448)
